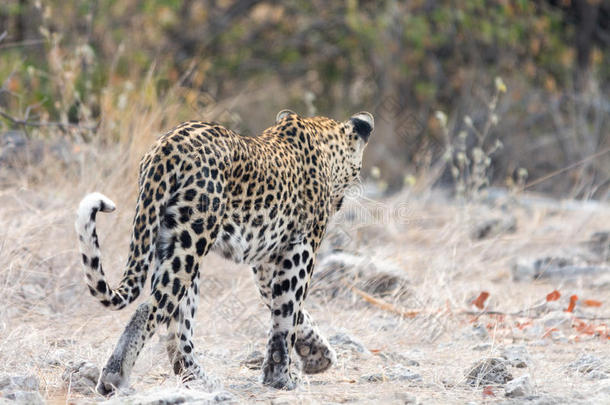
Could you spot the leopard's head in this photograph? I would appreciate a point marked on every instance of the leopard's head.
(344, 143)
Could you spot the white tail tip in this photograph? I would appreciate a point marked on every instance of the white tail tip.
(96, 200)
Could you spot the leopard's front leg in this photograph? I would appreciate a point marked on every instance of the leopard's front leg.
(289, 282)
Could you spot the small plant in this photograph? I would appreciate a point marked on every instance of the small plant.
(469, 158)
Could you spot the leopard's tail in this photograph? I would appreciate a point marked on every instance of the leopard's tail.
(128, 290)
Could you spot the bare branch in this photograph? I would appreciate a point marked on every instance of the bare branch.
(38, 124)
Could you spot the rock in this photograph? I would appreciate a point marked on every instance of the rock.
(385, 324)
(545, 400)
(405, 398)
(602, 395)
(81, 377)
(559, 337)
(495, 226)
(58, 357)
(591, 365)
(516, 355)
(556, 320)
(333, 269)
(254, 361)
(402, 373)
(337, 239)
(601, 283)
(394, 373)
(33, 292)
(376, 377)
(604, 389)
(20, 389)
(481, 347)
(159, 396)
(599, 244)
(397, 358)
(13, 145)
(488, 371)
(345, 341)
(377, 276)
(19, 383)
(550, 267)
(598, 375)
(519, 387)
(476, 331)
(23, 397)
(535, 332)
(382, 283)
(522, 270)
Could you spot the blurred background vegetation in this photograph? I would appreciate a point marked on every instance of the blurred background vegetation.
(532, 77)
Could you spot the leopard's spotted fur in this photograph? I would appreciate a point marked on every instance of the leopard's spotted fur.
(262, 200)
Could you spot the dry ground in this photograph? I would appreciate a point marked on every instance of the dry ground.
(48, 320)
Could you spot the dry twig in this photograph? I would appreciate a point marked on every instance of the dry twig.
(384, 305)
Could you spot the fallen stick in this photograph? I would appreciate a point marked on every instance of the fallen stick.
(383, 304)
(523, 314)
(412, 313)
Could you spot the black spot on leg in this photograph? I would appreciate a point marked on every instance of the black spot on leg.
(293, 283)
(176, 264)
(101, 286)
(116, 300)
(162, 301)
(176, 286)
(165, 279)
(277, 290)
(298, 293)
(287, 309)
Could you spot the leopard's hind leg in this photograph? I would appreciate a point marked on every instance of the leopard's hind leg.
(180, 347)
(316, 353)
(141, 327)
(186, 235)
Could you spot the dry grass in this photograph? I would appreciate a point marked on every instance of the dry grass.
(48, 319)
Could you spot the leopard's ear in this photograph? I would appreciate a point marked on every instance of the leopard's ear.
(363, 123)
(283, 114)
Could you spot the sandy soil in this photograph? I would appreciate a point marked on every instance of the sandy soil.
(48, 320)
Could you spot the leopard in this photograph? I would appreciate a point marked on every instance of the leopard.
(264, 201)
